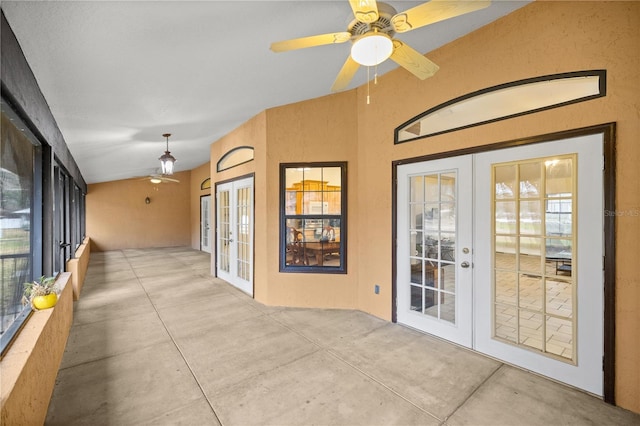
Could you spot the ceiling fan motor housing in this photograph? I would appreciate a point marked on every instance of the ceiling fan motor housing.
(382, 25)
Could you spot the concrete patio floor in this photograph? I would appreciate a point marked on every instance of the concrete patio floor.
(157, 341)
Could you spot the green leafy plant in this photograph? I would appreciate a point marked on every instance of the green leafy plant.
(40, 287)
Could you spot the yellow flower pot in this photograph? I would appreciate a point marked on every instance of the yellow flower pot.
(45, 302)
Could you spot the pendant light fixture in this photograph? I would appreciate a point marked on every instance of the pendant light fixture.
(167, 160)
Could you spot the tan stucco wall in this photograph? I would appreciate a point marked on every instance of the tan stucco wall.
(198, 175)
(117, 216)
(78, 267)
(322, 129)
(253, 134)
(542, 38)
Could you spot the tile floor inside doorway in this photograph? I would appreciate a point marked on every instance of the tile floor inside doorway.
(157, 340)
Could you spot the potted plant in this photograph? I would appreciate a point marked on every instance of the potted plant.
(41, 293)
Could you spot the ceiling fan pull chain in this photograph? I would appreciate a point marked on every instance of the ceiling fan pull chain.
(375, 75)
(368, 81)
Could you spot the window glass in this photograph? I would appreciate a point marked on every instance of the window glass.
(16, 218)
(313, 223)
(27, 219)
(534, 256)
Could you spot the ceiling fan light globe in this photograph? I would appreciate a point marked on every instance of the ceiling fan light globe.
(372, 49)
(155, 180)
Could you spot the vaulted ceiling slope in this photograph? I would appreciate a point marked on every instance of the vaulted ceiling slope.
(119, 74)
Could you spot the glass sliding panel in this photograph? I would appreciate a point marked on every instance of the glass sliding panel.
(533, 287)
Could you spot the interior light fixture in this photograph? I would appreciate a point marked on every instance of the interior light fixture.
(155, 180)
(167, 160)
(372, 49)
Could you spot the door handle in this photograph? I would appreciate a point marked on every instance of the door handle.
(465, 264)
(64, 245)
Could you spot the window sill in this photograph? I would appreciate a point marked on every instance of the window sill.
(30, 366)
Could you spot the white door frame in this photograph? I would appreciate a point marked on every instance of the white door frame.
(238, 245)
(205, 223)
(607, 319)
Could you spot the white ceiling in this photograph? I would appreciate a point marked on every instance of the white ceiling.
(119, 74)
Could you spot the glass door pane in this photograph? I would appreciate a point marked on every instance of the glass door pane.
(432, 235)
(243, 233)
(533, 259)
(224, 230)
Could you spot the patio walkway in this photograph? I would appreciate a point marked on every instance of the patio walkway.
(157, 341)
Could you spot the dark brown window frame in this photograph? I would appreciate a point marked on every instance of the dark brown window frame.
(342, 269)
(220, 166)
(601, 74)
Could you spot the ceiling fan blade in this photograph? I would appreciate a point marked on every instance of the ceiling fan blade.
(345, 75)
(311, 41)
(412, 60)
(434, 11)
(365, 10)
(170, 179)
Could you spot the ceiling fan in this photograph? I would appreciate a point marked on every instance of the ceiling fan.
(157, 178)
(372, 31)
(166, 161)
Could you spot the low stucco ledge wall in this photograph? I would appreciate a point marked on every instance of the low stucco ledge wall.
(30, 366)
(78, 267)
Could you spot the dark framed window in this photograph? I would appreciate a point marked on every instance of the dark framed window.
(235, 157)
(313, 219)
(41, 221)
(20, 217)
(542, 93)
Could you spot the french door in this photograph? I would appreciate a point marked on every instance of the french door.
(234, 226)
(502, 252)
(434, 247)
(205, 223)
